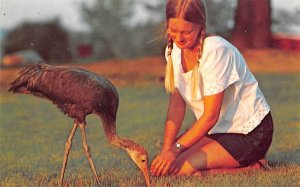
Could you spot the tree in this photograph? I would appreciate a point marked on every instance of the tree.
(106, 21)
(119, 31)
(252, 24)
(48, 39)
(114, 35)
(220, 16)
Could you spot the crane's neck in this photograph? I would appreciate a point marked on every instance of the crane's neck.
(113, 138)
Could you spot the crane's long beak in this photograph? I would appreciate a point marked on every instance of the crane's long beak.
(146, 175)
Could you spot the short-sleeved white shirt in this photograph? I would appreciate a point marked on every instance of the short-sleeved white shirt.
(222, 67)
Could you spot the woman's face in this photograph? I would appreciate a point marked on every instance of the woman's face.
(185, 34)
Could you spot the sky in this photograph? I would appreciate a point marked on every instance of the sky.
(14, 12)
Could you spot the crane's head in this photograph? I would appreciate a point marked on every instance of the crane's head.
(139, 156)
(136, 152)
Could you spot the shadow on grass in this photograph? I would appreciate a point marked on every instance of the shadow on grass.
(285, 158)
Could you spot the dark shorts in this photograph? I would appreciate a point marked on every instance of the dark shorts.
(248, 148)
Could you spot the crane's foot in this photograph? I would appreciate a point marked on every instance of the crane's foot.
(86, 150)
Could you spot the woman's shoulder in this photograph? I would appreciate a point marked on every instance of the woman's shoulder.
(217, 44)
(216, 41)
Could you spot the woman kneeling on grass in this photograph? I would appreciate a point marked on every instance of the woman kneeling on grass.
(234, 126)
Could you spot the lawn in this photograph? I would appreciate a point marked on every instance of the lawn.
(33, 134)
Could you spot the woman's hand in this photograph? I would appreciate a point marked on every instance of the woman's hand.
(162, 163)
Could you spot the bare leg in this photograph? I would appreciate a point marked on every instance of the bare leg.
(228, 170)
(261, 164)
(208, 157)
(204, 155)
(67, 151)
(87, 151)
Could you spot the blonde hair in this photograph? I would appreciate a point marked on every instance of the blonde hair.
(193, 11)
(169, 78)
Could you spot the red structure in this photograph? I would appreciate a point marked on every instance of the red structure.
(84, 50)
(286, 42)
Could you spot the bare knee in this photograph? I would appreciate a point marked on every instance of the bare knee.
(189, 163)
(186, 172)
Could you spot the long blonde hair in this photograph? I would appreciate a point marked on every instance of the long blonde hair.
(193, 11)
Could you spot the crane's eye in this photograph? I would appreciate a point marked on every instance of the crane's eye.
(143, 160)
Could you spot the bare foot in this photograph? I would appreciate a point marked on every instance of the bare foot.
(264, 163)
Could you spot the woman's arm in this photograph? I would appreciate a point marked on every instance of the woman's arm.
(212, 107)
(175, 116)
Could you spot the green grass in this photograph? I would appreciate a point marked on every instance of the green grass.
(33, 134)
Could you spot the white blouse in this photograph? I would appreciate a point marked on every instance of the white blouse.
(222, 67)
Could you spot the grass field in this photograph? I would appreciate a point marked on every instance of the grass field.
(33, 131)
(33, 134)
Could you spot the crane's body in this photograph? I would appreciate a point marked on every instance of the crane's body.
(78, 93)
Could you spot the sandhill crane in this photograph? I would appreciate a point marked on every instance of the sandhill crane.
(77, 93)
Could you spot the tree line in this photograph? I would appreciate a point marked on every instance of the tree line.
(247, 23)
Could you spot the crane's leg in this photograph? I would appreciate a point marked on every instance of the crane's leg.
(86, 149)
(67, 151)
